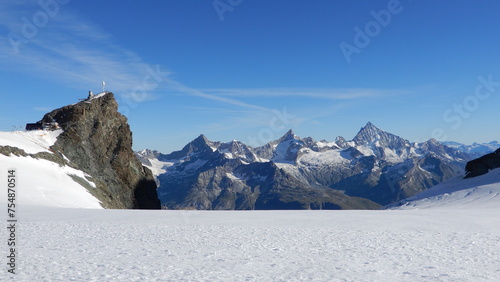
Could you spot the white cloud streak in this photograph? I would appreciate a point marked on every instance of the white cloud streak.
(317, 93)
(79, 53)
(67, 48)
(194, 92)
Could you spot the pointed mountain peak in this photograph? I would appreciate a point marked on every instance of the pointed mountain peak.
(235, 142)
(433, 144)
(201, 142)
(371, 126)
(147, 153)
(368, 133)
(340, 139)
(202, 138)
(434, 141)
(341, 142)
(232, 145)
(290, 133)
(288, 136)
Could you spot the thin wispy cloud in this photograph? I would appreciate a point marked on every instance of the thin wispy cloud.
(42, 109)
(76, 52)
(79, 53)
(251, 121)
(319, 93)
(203, 94)
(215, 110)
(68, 49)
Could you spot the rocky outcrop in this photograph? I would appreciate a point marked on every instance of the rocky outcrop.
(97, 140)
(483, 164)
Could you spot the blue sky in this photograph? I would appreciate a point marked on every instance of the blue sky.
(252, 69)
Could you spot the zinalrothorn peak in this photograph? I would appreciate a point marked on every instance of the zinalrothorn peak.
(97, 139)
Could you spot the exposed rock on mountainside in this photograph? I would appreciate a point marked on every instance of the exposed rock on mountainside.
(483, 164)
(227, 176)
(395, 169)
(97, 140)
(296, 172)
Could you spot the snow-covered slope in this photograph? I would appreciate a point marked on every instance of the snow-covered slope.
(478, 192)
(44, 183)
(41, 182)
(31, 142)
(133, 245)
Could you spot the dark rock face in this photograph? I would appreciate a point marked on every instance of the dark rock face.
(388, 183)
(258, 186)
(483, 164)
(97, 140)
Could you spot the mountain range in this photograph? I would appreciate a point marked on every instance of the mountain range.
(90, 154)
(374, 169)
(476, 149)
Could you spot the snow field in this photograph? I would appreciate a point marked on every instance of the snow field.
(330, 157)
(478, 192)
(30, 141)
(158, 167)
(59, 244)
(44, 183)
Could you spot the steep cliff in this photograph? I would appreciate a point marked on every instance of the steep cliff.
(97, 140)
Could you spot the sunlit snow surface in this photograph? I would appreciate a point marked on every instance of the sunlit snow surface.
(41, 182)
(478, 192)
(444, 242)
(131, 245)
(31, 142)
(44, 183)
(449, 234)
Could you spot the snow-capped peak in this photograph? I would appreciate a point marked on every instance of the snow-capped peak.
(201, 143)
(369, 134)
(289, 135)
(372, 135)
